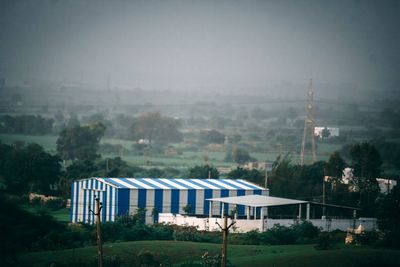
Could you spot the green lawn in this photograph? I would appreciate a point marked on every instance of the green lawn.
(61, 215)
(239, 255)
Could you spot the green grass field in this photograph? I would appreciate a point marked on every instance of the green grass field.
(186, 159)
(61, 215)
(239, 255)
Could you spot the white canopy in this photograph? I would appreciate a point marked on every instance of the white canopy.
(257, 201)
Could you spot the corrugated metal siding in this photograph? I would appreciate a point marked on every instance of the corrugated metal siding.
(83, 196)
(121, 196)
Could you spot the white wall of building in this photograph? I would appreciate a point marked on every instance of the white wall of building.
(334, 131)
(241, 226)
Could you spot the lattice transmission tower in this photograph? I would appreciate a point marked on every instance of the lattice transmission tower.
(309, 125)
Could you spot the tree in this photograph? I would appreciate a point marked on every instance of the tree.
(366, 164)
(389, 216)
(335, 166)
(28, 168)
(212, 137)
(187, 209)
(26, 124)
(203, 172)
(285, 179)
(337, 193)
(280, 177)
(80, 143)
(240, 155)
(389, 151)
(155, 128)
(366, 160)
(325, 133)
(253, 175)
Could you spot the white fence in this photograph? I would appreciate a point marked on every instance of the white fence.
(210, 224)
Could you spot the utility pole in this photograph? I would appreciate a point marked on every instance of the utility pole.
(266, 175)
(225, 231)
(309, 125)
(323, 199)
(98, 228)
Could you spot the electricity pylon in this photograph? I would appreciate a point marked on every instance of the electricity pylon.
(309, 125)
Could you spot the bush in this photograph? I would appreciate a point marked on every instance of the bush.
(162, 232)
(212, 137)
(305, 232)
(190, 233)
(366, 238)
(325, 241)
(186, 233)
(138, 232)
(252, 238)
(279, 235)
(208, 260)
(302, 233)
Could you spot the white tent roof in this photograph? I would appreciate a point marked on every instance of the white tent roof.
(257, 201)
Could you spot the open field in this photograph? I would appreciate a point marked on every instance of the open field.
(180, 252)
(185, 159)
(61, 215)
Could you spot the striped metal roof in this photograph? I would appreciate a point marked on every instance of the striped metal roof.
(164, 183)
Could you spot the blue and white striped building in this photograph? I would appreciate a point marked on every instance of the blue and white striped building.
(121, 196)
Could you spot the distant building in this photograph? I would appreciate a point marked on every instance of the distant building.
(347, 175)
(333, 131)
(143, 141)
(386, 185)
(254, 165)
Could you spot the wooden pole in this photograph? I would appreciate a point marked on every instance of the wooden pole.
(224, 249)
(98, 230)
(224, 242)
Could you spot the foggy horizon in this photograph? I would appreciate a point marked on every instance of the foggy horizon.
(192, 45)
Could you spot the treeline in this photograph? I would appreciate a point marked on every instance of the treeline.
(151, 127)
(306, 182)
(29, 168)
(26, 124)
(389, 152)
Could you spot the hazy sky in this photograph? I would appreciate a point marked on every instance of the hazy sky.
(191, 44)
